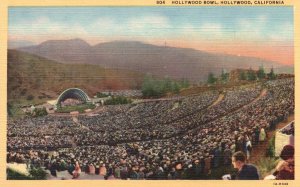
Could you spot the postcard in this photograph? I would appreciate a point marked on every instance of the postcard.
(154, 93)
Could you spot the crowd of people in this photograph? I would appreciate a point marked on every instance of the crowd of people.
(290, 130)
(180, 138)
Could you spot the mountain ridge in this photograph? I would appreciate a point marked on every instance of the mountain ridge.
(174, 62)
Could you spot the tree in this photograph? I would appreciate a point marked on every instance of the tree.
(184, 83)
(272, 75)
(38, 173)
(224, 76)
(159, 87)
(211, 78)
(261, 73)
(176, 88)
(243, 76)
(101, 95)
(40, 112)
(118, 100)
(167, 84)
(147, 87)
(251, 75)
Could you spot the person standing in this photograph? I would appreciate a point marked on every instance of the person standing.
(257, 132)
(248, 148)
(53, 168)
(117, 171)
(77, 170)
(245, 171)
(103, 170)
(262, 135)
(227, 156)
(207, 166)
(92, 169)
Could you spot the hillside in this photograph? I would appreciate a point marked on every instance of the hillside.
(43, 79)
(146, 58)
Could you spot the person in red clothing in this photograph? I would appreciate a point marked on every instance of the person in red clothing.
(77, 171)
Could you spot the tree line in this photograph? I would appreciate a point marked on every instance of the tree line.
(247, 75)
(154, 87)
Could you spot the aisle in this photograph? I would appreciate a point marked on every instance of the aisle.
(259, 151)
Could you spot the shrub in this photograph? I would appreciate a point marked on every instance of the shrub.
(270, 152)
(153, 87)
(100, 95)
(13, 175)
(40, 112)
(118, 100)
(38, 173)
(34, 174)
(211, 79)
(266, 165)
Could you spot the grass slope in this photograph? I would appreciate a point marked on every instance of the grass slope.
(34, 79)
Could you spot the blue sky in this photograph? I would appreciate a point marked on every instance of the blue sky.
(186, 26)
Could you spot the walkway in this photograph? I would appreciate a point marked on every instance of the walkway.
(259, 151)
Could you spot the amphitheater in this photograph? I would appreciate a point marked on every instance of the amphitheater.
(157, 137)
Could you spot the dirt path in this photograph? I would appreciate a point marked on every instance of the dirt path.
(220, 98)
(259, 151)
(262, 93)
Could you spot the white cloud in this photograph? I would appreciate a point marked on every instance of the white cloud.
(214, 29)
(130, 27)
(252, 28)
(208, 31)
(155, 22)
(41, 21)
(283, 32)
(257, 29)
(43, 27)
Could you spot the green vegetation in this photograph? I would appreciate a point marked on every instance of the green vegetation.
(159, 87)
(272, 75)
(266, 165)
(211, 78)
(118, 100)
(34, 174)
(37, 173)
(251, 75)
(14, 111)
(39, 112)
(243, 76)
(261, 73)
(270, 152)
(224, 76)
(80, 108)
(184, 83)
(101, 95)
(13, 175)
